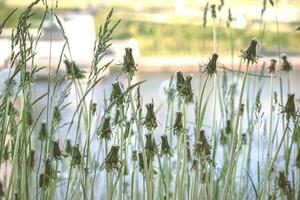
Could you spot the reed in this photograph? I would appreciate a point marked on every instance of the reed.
(117, 148)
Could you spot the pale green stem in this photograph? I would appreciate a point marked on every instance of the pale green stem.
(178, 163)
(269, 155)
(200, 107)
(233, 145)
(270, 168)
(10, 186)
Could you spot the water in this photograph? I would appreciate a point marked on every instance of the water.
(152, 89)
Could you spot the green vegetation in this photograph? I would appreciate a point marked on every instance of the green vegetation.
(121, 150)
(194, 40)
(183, 39)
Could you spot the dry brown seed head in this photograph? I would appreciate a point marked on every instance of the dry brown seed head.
(286, 65)
(43, 134)
(76, 155)
(228, 128)
(213, 11)
(178, 124)
(290, 109)
(112, 159)
(105, 130)
(250, 54)
(151, 148)
(56, 150)
(211, 67)
(150, 119)
(134, 156)
(93, 108)
(129, 66)
(272, 66)
(165, 146)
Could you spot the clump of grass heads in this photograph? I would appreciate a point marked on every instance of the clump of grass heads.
(119, 149)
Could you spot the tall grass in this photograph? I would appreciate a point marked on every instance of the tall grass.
(112, 151)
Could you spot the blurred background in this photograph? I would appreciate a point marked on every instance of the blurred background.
(171, 33)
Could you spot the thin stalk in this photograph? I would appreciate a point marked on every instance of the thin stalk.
(269, 155)
(140, 138)
(200, 107)
(10, 186)
(213, 121)
(177, 179)
(270, 168)
(121, 132)
(184, 152)
(233, 145)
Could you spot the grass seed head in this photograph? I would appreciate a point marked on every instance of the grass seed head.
(250, 54)
(188, 149)
(129, 66)
(213, 11)
(134, 156)
(151, 148)
(141, 161)
(178, 124)
(284, 185)
(12, 111)
(48, 175)
(116, 94)
(290, 109)
(93, 108)
(150, 120)
(229, 18)
(73, 71)
(44, 180)
(211, 67)
(56, 150)
(188, 92)
(228, 128)
(184, 87)
(105, 130)
(286, 65)
(221, 5)
(180, 81)
(244, 139)
(112, 159)
(272, 66)
(76, 155)
(202, 147)
(165, 146)
(195, 165)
